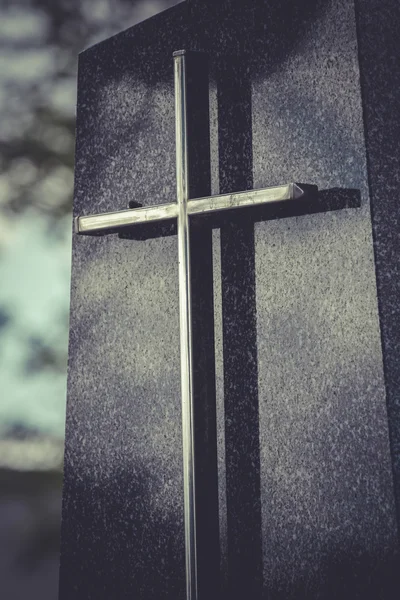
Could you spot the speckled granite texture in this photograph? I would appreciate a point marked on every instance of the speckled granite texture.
(306, 317)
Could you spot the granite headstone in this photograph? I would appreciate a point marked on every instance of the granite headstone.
(296, 322)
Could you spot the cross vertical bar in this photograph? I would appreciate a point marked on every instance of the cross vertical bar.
(185, 317)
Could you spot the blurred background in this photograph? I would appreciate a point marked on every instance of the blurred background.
(40, 41)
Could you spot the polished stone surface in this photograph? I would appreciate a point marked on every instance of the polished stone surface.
(305, 486)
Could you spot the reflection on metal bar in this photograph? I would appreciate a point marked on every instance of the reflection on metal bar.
(185, 317)
(269, 195)
(126, 218)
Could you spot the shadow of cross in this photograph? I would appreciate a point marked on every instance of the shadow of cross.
(192, 91)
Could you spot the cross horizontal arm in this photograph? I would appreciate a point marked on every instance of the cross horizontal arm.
(162, 212)
(269, 195)
(125, 218)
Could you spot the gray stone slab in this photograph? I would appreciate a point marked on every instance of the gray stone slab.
(323, 419)
(123, 503)
(306, 495)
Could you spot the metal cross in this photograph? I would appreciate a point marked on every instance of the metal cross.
(181, 210)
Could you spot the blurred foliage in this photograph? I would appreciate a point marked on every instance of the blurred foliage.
(40, 41)
(28, 483)
(37, 103)
(39, 45)
(39, 531)
(42, 355)
(4, 318)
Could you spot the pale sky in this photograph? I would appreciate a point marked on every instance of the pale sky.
(35, 276)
